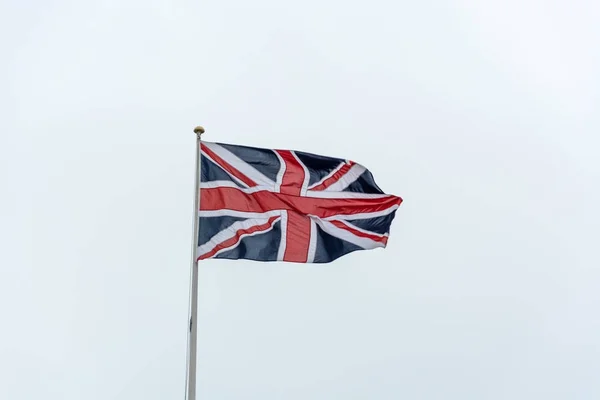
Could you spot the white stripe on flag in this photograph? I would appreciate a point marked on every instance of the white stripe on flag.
(363, 215)
(240, 164)
(333, 230)
(347, 179)
(283, 243)
(229, 233)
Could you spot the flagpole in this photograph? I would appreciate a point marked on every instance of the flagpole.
(190, 381)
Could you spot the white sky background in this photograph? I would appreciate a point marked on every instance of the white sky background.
(482, 115)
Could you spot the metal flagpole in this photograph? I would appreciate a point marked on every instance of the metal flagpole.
(190, 381)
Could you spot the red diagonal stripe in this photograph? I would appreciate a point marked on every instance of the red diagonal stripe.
(335, 177)
(356, 232)
(238, 236)
(228, 167)
(234, 199)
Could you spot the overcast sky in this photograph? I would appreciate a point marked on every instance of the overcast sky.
(482, 115)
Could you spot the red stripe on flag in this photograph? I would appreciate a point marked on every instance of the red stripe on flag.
(335, 177)
(238, 236)
(263, 201)
(298, 238)
(356, 232)
(228, 167)
(293, 178)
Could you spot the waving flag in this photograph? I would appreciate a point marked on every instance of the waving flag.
(282, 205)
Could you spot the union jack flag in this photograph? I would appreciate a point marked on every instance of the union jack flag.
(283, 205)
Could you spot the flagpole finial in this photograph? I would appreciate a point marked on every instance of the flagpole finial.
(199, 130)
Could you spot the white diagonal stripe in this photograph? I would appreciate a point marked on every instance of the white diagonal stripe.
(352, 226)
(240, 164)
(235, 178)
(329, 175)
(340, 233)
(367, 215)
(347, 179)
(229, 184)
(231, 232)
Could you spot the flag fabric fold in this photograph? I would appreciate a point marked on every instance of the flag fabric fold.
(283, 205)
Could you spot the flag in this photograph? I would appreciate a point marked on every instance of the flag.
(283, 205)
